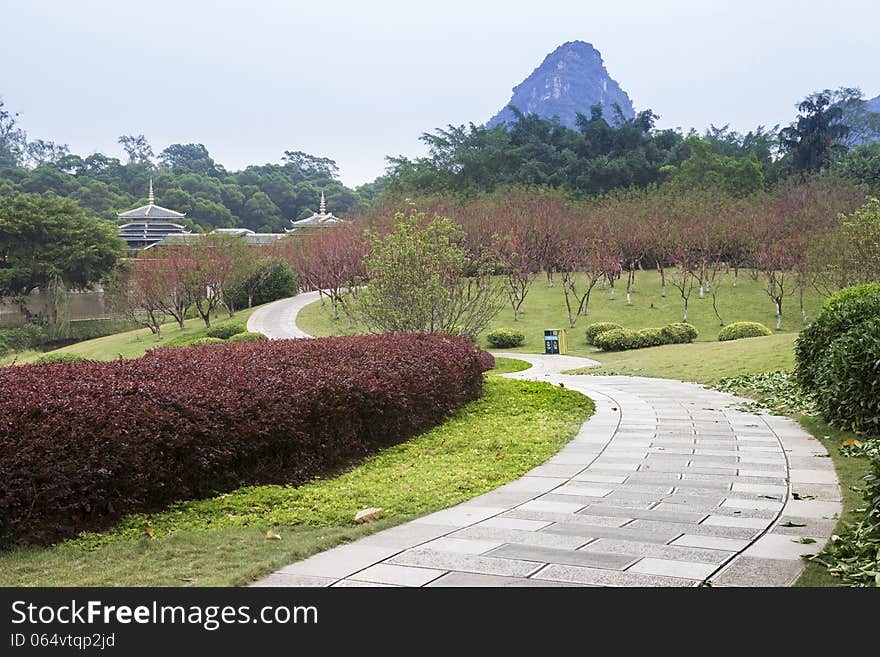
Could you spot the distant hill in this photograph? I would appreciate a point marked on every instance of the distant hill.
(569, 81)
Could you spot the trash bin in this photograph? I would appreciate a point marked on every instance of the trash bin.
(555, 341)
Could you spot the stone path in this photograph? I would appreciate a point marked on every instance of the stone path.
(278, 319)
(666, 485)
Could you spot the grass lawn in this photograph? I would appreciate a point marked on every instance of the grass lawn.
(129, 344)
(222, 540)
(545, 308)
(700, 362)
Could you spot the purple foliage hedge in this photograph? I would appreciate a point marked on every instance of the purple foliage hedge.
(83, 443)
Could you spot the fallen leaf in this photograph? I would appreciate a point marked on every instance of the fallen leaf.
(789, 523)
(272, 536)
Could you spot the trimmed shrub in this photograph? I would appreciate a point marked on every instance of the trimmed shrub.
(653, 337)
(59, 358)
(200, 342)
(848, 382)
(226, 330)
(487, 361)
(503, 338)
(680, 332)
(739, 330)
(620, 340)
(599, 327)
(247, 336)
(82, 444)
(841, 311)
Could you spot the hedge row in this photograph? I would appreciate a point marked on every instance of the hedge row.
(83, 443)
(618, 338)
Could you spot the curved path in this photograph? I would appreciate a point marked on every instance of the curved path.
(278, 319)
(666, 485)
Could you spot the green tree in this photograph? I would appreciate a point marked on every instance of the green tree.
(423, 279)
(137, 148)
(817, 136)
(46, 237)
(12, 138)
(704, 169)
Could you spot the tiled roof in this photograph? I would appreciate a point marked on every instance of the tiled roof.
(151, 211)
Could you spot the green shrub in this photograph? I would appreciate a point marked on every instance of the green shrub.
(204, 341)
(226, 330)
(21, 338)
(280, 284)
(840, 312)
(599, 327)
(620, 340)
(848, 382)
(503, 338)
(247, 336)
(739, 330)
(653, 337)
(59, 358)
(679, 332)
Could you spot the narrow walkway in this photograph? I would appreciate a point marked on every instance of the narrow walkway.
(278, 319)
(666, 485)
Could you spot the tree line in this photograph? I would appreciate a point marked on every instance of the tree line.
(263, 198)
(833, 130)
(821, 232)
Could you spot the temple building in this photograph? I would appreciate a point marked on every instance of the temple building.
(249, 236)
(149, 224)
(319, 219)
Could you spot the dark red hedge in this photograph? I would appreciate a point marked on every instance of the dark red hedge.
(83, 443)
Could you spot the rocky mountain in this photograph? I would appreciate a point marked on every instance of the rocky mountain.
(570, 80)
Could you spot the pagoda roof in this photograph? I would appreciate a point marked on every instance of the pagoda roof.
(151, 211)
(317, 219)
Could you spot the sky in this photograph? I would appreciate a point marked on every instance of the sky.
(359, 80)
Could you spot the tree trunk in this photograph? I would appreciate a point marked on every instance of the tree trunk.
(778, 314)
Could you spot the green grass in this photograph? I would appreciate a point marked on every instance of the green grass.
(513, 427)
(129, 344)
(700, 362)
(545, 308)
(850, 473)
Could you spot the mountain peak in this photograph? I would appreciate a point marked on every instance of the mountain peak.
(569, 81)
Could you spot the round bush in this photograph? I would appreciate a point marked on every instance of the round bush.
(849, 380)
(227, 330)
(620, 340)
(653, 337)
(247, 336)
(203, 341)
(679, 332)
(502, 338)
(48, 359)
(840, 312)
(599, 327)
(739, 330)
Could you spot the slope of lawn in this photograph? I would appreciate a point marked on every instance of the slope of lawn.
(515, 426)
(131, 344)
(545, 308)
(700, 362)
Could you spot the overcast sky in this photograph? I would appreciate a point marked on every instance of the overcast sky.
(358, 80)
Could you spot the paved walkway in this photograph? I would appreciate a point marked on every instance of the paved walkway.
(666, 485)
(278, 319)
